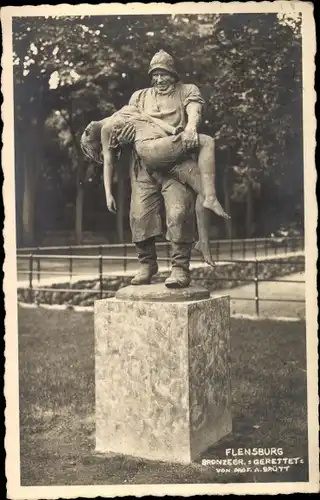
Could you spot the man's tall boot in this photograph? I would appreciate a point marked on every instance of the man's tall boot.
(148, 262)
(180, 275)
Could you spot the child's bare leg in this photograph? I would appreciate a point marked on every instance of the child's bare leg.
(188, 172)
(206, 163)
(203, 224)
(160, 154)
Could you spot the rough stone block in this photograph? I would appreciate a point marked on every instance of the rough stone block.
(162, 376)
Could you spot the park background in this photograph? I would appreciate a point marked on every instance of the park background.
(70, 70)
(74, 69)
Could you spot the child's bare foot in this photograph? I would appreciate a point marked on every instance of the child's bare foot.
(206, 254)
(214, 205)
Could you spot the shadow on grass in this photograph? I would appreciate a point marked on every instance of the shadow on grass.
(56, 369)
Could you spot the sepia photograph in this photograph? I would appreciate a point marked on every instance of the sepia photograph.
(160, 240)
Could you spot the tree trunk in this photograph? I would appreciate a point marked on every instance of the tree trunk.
(79, 215)
(79, 206)
(253, 167)
(227, 205)
(28, 203)
(80, 175)
(30, 139)
(249, 210)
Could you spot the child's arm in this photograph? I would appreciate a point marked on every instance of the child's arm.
(108, 166)
(122, 136)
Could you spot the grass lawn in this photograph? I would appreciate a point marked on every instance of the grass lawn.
(56, 366)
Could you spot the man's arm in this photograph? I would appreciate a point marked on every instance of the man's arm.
(194, 115)
(193, 103)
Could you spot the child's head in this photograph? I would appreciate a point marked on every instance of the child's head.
(91, 142)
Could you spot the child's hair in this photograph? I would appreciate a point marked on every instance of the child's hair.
(91, 142)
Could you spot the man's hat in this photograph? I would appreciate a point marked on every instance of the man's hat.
(163, 60)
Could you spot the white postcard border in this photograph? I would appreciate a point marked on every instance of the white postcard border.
(10, 276)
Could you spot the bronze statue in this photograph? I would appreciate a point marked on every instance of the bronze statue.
(168, 157)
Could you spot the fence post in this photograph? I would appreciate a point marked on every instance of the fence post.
(255, 248)
(30, 276)
(38, 265)
(256, 281)
(231, 249)
(70, 265)
(266, 247)
(100, 271)
(125, 254)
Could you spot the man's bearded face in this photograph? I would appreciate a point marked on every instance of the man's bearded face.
(162, 80)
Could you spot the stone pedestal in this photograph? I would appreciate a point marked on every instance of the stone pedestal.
(162, 372)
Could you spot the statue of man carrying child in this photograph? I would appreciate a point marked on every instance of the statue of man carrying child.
(170, 160)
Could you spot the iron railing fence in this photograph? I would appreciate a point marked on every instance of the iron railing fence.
(74, 260)
(100, 275)
(226, 246)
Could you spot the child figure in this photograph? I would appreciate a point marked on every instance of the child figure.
(161, 149)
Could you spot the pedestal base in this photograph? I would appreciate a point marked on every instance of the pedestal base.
(162, 376)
